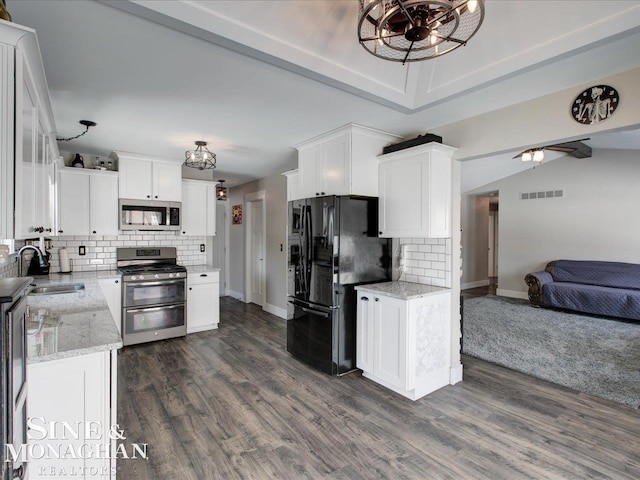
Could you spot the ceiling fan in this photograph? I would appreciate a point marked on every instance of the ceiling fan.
(575, 149)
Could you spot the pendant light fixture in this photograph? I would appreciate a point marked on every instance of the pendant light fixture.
(221, 191)
(535, 155)
(415, 30)
(200, 158)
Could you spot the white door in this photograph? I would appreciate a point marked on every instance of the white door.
(103, 205)
(257, 252)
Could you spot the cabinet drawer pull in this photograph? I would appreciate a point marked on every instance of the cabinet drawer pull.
(203, 275)
(364, 298)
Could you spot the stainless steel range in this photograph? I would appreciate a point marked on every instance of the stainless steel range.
(154, 298)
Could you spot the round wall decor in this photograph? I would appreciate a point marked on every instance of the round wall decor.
(595, 104)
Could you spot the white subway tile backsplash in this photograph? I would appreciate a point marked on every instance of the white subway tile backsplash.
(101, 251)
(427, 260)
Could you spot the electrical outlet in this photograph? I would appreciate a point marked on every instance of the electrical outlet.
(202, 247)
(82, 250)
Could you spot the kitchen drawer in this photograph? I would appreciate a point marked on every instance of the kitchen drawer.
(204, 277)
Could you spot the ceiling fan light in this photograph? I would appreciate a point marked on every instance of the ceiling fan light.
(526, 156)
(538, 156)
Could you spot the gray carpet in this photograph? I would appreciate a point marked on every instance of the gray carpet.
(595, 355)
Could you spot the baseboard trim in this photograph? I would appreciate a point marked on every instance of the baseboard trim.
(512, 294)
(236, 295)
(479, 283)
(277, 311)
(455, 374)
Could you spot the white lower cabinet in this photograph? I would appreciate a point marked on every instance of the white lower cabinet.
(203, 301)
(80, 391)
(112, 291)
(404, 344)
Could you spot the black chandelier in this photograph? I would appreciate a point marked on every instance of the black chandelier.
(200, 158)
(415, 30)
(221, 191)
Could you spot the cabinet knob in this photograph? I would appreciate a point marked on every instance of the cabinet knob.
(380, 232)
(94, 231)
(317, 194)
(184, 233)
(377, 299)
(156, 196)
(321, 193)
(148, 196)
(117, 281)
(190, 288)
(49, 229)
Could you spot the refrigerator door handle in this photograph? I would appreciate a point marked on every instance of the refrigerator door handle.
(315, 312)
(330, 211)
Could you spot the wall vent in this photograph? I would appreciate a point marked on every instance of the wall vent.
(539, 195)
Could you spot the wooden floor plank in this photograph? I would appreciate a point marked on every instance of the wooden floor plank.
(232, 403)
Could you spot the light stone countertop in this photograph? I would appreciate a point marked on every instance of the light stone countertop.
(201, 268)
(402, 290)
(70, 324)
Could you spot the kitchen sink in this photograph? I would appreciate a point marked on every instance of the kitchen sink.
(56, 289)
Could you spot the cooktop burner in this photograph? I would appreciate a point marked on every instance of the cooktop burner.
(152, 268)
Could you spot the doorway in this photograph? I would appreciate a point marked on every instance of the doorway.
(255, 247)
(218, 245)
(492, 241)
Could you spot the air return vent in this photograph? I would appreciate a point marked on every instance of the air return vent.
(543, 194)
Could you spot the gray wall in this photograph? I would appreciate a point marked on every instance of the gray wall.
(275, 188)
(597, 219)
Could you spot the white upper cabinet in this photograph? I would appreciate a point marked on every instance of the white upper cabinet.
(147, 178)
(341, 162)
(293, 185)
(28, 148)
(198, 208)
(415, 192)
(88, 202)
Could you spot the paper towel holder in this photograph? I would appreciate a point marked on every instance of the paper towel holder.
(66, 263)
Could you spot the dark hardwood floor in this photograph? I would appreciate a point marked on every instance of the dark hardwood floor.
(231, 403)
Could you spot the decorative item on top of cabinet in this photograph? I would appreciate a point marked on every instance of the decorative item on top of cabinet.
(203, 301)
(404, 344)
(415, 192)
(148, 178)
(341, 162)
(198, 208)
(87, 202)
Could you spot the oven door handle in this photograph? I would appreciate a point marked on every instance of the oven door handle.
(154, 284)
(154, 309)
(315, 312)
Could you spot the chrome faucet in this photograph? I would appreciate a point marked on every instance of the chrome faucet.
(43, 261)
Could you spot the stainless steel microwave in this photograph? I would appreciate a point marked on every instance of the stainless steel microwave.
(149, 215)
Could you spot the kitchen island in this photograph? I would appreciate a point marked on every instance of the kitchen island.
(72, 343)
(403, 336)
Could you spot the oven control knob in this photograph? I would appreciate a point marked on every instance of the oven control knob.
(171, 275)
(133, 277)
(141, 277)
(156, 276)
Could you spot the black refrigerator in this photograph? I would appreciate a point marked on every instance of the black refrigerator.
(333, 246)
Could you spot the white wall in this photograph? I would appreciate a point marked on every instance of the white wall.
(275, 187)
(475, 240)
(541, 121)
(597, 219)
